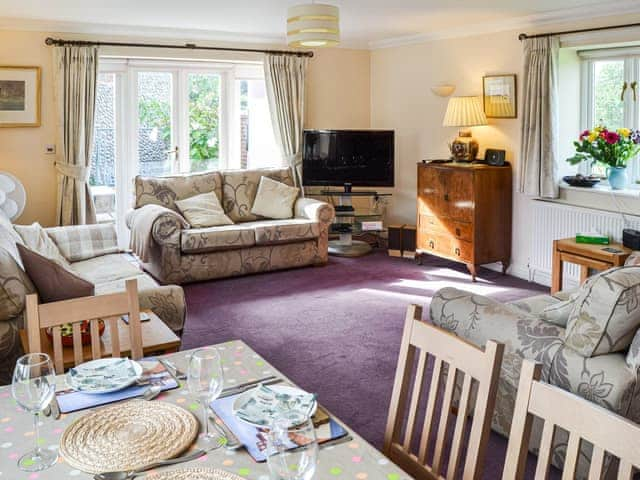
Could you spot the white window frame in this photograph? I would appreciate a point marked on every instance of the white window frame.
(125, 71)
(631, 58)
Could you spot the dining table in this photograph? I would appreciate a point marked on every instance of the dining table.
(353, 459)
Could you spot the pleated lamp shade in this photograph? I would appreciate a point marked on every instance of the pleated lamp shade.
(313, 25)
(464, 112)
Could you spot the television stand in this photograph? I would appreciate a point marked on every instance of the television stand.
(350, 221)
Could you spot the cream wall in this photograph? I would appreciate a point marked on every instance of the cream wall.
(401, 99)
(333, 101)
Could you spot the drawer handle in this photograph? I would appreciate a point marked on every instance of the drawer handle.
(446, 197)
(457, 250)
(457, 232)
(431, 244)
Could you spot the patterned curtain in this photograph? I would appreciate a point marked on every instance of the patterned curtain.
(75, 79)
(538, 168)
(284, 78)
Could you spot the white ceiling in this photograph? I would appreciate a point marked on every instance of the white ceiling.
(363, 22)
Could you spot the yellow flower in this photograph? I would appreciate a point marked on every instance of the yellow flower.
(593, 136)
(625, 132)
(597, 130)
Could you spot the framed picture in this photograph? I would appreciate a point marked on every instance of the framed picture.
(500, 96)
(19, 96)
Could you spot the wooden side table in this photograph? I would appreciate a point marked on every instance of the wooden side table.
(157, 338)
(596, 257)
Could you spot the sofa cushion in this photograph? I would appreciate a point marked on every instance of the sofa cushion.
(239, 189)
(85, 241)
(165, 191)
(548, 308)
(14, 286)
(271, 232)
(211, 239)
(606, 313)
(203, 210)
(274, 199)
(107, 268)
(53, 281)
(35, 238)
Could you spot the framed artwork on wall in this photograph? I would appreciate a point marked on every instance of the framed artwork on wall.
(500, 96)
(19, 96)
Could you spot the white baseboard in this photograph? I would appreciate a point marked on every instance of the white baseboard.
(540, 277)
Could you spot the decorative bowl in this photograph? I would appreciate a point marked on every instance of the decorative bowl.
(67, 333)
(581, 181)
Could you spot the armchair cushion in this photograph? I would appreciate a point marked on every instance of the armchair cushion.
(14, 286)
(606, 313)
(241, 186)
(9, 237)
(107, 268)
(84, 241)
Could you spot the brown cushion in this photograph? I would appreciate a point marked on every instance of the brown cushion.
(52, 281)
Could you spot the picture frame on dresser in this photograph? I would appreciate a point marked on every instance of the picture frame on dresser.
(20, 96)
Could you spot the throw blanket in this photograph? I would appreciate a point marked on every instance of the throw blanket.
(140, 222)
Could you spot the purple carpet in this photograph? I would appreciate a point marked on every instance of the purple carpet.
(336, 330)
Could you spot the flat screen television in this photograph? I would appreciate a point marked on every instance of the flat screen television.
(362, 158)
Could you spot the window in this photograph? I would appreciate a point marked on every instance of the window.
(160, 118)
(606, 100)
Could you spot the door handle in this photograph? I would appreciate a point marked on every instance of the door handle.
(634, 85)
(457, 232)
(446, 197)
(457, 251)
(625, 85)
(431, 244)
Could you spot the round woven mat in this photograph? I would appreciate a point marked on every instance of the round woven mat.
(126, 436)
(194, 474)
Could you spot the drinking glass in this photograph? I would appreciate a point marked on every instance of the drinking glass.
(205, 381)
(33, 388)
(292, 449)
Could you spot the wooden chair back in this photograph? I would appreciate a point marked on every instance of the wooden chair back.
(583, 420)
(108, 308)
(462, 363)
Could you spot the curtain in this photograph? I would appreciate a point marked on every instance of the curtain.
(538, 167)
(284, 78)
(75, 79)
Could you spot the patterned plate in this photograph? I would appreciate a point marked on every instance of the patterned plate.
(261, 405)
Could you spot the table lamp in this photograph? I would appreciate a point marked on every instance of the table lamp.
(464, 112)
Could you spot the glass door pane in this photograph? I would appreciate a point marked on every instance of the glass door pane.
(203, 91)
(157, 151)
(102, 178)
(608, 109)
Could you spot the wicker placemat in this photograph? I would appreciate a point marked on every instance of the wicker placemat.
(128, 435)
(194, 474)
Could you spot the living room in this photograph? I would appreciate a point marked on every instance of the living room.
(138, 124)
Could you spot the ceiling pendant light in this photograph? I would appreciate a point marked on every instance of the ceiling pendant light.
(313, 25)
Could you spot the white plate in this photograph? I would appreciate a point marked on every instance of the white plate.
(101, 363)
(268, 419)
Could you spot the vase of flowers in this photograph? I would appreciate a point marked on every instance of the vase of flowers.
(612, 149)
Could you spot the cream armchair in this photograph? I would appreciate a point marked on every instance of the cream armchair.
(587, 343)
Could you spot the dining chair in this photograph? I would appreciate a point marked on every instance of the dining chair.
(455, 362)
(583, 420)
(108, 307)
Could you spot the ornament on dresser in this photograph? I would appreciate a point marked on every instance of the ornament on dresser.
(609, 148)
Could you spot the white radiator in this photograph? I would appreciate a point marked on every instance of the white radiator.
(552, 221)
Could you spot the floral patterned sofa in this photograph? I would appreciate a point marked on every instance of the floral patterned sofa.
(587, 341)
(89, 250)
(177, 253)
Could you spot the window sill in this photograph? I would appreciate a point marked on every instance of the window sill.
(601, 198)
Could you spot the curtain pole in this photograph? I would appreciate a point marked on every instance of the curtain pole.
(524, 36)
(186, 46)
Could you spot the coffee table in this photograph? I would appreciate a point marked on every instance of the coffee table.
(157, 338)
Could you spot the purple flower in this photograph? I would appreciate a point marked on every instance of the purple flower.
(635, 136)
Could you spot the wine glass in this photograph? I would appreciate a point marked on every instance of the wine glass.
(205, 381)
(292, 448)
(33, 388)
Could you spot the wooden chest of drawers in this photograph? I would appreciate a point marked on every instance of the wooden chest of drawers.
(464, 213)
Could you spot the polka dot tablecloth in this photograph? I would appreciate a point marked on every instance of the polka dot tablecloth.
(355, 460)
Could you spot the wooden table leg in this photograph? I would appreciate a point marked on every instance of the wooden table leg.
(584, 273)
(556, 270)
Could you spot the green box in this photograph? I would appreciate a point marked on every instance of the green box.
(592, 238)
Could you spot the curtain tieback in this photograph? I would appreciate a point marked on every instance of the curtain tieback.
(76, 172)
